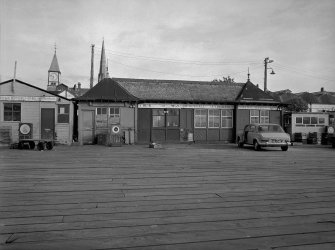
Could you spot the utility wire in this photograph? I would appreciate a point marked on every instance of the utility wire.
(167, 73)
(228, 62)
(302, 73)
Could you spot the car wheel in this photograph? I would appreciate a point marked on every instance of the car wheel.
(284, 148)
(240, 144)
(256, 146)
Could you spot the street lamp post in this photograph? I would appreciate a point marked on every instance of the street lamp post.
(266, 62)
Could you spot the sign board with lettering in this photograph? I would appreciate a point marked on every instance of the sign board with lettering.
(28, 98)
(183, 106)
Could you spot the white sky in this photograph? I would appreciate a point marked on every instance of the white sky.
(172, 39)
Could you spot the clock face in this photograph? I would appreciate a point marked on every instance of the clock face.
(53, 76)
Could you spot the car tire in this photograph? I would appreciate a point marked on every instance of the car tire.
(257, 147)
(284, 148)
(240, 144)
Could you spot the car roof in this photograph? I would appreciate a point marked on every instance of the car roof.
(261, 124)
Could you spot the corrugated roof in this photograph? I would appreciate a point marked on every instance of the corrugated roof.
(175, 90)
(54, 67)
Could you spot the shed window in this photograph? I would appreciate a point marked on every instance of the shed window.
(200, 118)
(101, 118)
(63, 113)
(264, 116)
(172, 117)
(322, 120)
(158, 118)
(306, 120)
(213, 118)
(298, 120)
(114, 115)
(226, 118)
(254, 116)
(314, 120)
(12, 112)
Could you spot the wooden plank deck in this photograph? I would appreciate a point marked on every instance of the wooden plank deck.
(178, 197)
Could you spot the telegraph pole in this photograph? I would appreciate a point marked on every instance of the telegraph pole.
(92, 66)
(266, 61)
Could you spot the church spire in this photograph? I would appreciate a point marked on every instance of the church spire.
(103, 70)
(54, 67)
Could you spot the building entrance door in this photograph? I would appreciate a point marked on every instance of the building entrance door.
(88, 127)
(165, 125)
(47, 123)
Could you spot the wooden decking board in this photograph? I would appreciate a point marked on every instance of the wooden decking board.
(119, 204)
(180, 197)
(227, 208)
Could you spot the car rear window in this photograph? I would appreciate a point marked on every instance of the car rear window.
(270, 129)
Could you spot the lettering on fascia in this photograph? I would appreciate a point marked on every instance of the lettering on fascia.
(190, 106)
(29, 98)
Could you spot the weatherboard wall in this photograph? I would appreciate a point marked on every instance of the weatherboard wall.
(32, 100)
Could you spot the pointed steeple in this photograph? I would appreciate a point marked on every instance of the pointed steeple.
(54, 67)
(103, 70)
(107, 73)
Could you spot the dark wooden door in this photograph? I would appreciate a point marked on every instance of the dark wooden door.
(47, 123)
(144, 125)
(88, 127)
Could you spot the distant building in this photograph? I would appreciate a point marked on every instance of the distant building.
(53, 74)
(55, 86)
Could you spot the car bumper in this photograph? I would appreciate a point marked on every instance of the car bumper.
(274, 144)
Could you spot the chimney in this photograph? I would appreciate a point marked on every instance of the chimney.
(79, 85)
(74, 87)
(322, 89)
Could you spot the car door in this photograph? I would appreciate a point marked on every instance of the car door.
(251, 134)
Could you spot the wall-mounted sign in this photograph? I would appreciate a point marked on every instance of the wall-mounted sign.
(183, 106)
(259, 107)
(28, 98)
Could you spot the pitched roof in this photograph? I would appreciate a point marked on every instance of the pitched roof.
(178, 90)
(308, 97)
(285, 96)
(252, 94)
(32, 86)
(54, 67)
(107, 90)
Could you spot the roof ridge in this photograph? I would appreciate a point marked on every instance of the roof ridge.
(175, 81)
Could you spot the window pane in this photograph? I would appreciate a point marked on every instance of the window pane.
(8, 116)
(99, 111)
(172, 121)
(306, 120)
(158, 121)
(17, 107)
(314, 120)
(8, 107)
(200, 118)
(298, 120)
(16, 116)
(321, 120)
(157, 112)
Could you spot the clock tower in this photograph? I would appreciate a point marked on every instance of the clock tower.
(53, 74)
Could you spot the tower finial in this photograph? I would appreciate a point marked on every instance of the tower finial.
(55, 48)
(248, 75)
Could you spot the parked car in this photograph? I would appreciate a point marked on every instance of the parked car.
(264, 135)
